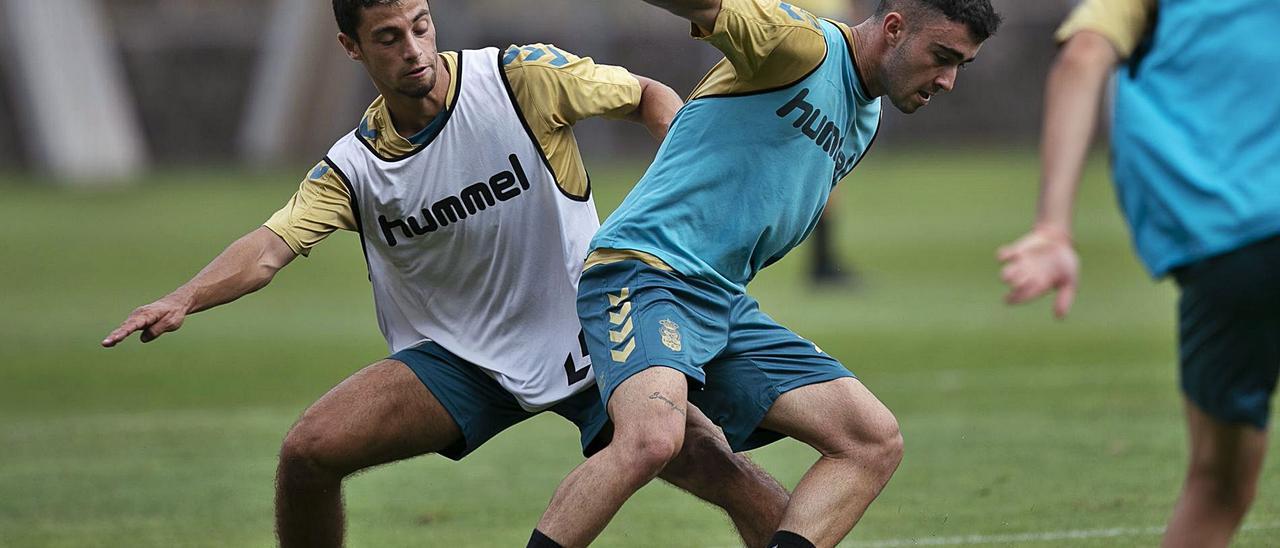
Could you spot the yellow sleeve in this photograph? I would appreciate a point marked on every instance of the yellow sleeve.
(825, 8)
(768, 43)
(321, 206)
(562, 88)
(1122, 22)
(555, 89)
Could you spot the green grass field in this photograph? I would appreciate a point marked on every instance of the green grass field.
(1020, 430)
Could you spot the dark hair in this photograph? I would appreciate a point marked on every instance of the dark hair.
(347, 12)
(978, 15)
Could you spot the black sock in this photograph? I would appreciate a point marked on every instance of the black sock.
(539, 540)
(787, 539)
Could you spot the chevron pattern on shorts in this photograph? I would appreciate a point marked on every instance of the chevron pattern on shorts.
(620, 315)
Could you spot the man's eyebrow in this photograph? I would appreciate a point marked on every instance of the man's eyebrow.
(953, 53)
(391, 28)
(382, 29)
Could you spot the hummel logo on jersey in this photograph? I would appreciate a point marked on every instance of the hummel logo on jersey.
(824, 133)
(501, 187)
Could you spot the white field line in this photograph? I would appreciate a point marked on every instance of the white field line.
(1016, 538)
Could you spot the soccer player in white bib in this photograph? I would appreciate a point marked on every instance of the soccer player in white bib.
(474, 211)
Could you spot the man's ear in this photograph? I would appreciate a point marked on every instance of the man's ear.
(350, 46)
(895, 28)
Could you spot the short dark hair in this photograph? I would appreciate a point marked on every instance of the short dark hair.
(978, 15)
(347, 12)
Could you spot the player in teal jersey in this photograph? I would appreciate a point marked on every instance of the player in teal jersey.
(1196, 163)
(739, 181)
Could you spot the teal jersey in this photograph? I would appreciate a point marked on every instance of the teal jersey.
(1196, 138)
(742, 178)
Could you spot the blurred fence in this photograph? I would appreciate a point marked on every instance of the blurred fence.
(198, 73)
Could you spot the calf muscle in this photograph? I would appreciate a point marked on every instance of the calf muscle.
(381, 414)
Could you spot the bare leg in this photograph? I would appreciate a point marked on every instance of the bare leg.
(1221, 481)
(648, 412)
(708, 469)
(381, 414)
(860, 449)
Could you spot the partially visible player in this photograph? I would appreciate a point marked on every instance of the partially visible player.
(1196, 162)
(474, 213)
(741, 180)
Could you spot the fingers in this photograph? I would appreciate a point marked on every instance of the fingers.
(1066, 295)
(1006, 253)
(1013, 274)
(151, 322)
(1023, 279)
(1027, 291)
(1010, 251)
(1027, 280)
(134, 322)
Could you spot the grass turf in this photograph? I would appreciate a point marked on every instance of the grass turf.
(1014, 423)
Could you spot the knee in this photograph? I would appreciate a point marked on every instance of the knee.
(650, 451)
(886, 446)
(704, 455)
(877, 444)
(305, 457)
(1225, 487)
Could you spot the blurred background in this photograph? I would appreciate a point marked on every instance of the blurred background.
(110, 88)
(139, 137)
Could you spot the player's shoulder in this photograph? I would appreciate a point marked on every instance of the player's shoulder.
(752, 33)
(348, 147)
(327, 174)
(540, 68)
(774, 13)
(374, 134)
(538, 55)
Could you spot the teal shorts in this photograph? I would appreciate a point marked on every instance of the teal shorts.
(737, 359)
(482, 408)
(1229, 332)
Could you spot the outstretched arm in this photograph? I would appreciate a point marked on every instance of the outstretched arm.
(658, 105)
(701, 12)
(1044, 259)
(247, 265)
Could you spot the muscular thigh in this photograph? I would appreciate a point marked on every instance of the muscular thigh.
(763, 362)
(380, 414)
(833, 417)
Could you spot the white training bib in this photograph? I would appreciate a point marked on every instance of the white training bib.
(472, 244)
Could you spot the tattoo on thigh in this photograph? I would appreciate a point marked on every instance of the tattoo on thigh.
(659, 396)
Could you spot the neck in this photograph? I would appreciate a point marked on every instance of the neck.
(409, 115)
(868, 53)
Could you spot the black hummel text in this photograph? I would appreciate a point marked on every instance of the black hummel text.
(824, 133)
(501, 187)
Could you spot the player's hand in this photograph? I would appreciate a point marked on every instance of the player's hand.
(1038, 262)
(153, 320)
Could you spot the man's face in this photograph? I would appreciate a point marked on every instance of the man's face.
(925, 59)
(397, 47)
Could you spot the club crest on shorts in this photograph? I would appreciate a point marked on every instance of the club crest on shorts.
(670, 334)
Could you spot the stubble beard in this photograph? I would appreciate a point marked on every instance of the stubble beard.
(418, 91)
